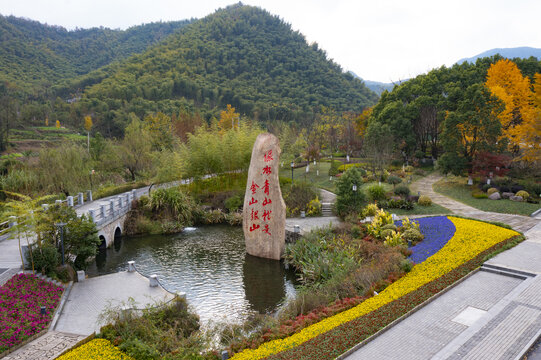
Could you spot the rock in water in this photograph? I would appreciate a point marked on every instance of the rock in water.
(264, 216)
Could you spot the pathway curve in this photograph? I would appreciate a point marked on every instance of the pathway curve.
(493, 314)
(517, 222)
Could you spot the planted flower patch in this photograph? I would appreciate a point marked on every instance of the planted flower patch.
(21, 299)
(437, 230)
(471, 240)
(97, 349)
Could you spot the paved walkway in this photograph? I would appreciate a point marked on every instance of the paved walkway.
(88, 299)
(309, 223)
(517, 222)
(48, 346)
(487, 316)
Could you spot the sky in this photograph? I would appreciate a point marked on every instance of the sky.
(380, 40)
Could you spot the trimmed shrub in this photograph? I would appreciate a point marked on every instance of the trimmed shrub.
(370, 210)
(389, 226)
(491, 191)
(335, 165)
(314, 207)
(386, 232)
(412, 235)
(376, 192)
(402, 190)
(424, 200)
(524, 194)
(478, 194)
(394, 180)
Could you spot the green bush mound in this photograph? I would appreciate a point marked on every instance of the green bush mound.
(491, 191)
(424, 200)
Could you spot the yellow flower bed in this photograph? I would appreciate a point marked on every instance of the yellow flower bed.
(470, 239)
(97, 349)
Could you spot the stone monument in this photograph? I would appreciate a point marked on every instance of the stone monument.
(264, 216)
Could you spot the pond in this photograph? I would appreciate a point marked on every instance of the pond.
(210, 265)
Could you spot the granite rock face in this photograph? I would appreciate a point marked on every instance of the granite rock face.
(495, 196)
(264, 214)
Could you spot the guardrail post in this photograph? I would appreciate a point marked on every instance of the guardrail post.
(120, 202)
(112, 206)
(153, 281)
(102, 211)
(92, 214)
(134, 195)
(89, 195)
(58, 202)
(70, 201)
(80, 199)
(131, 266)
(12, 221)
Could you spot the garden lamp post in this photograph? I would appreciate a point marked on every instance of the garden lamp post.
(354, 188)
(61, 227)
(292, 166)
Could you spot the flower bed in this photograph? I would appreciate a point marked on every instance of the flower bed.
(437, 230)
(21, 298)
(462, 253)
(97, 349)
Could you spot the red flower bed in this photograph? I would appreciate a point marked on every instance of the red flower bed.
(21, 298)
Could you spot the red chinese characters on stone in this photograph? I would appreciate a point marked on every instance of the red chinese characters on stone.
(254, 227)
(266, 201)
(266, 187)
(266, 215)
(253, 201)
(266, 229)
(255, 215)
(268, 156)
(267, 170)
(254, 187)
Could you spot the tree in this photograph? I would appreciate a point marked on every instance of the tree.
(80, 234)
(379, 144)
(136, 148)
(88, 126)
(474, 127)
(229, 119)
(532, 134)
(57, 125)
(349, 197)
(505, 81)
(160, 129)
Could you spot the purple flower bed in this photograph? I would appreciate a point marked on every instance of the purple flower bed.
(21, 298)
(437, 231)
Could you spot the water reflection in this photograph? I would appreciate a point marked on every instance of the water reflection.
(210, 265)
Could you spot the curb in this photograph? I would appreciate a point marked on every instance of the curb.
(60, 307)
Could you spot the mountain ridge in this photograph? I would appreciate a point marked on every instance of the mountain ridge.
(522, 52)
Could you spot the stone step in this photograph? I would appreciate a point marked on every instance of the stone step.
(506, 271)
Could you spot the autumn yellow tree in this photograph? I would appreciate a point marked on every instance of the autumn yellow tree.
(88, 126)
(46, 121)
(229, 119)
(57, 124)
(505, 81)
(532, 139)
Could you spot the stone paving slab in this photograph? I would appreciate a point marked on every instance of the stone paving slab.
(46, 347)
(88, 299)
(310, 223)
(430, 329)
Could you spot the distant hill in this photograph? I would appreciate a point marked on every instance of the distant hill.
(376, 86)
(34, 55)
(509, 53)
(240, 55)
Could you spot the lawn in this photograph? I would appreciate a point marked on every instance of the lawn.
(320, 181)
(433, 209)
(456, 188)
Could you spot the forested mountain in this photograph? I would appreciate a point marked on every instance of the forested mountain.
(34, 56)
(240, 55)
(456, 111)
(509, 53)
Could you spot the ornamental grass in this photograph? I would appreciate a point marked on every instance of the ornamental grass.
(21, 299)
(472, 241)
(97, 349)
